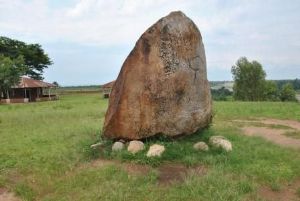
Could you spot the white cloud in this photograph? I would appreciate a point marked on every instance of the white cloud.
(264, 30)
(88, 21)
(81, 8)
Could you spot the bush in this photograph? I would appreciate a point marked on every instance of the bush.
(221, 94)
(287, 93)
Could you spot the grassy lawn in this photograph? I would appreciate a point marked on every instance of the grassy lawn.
(45, 155)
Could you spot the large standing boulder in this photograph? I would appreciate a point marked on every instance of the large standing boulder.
(162, 87)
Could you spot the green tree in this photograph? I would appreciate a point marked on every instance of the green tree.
(35, 59)
(296, 84)
(287, 93)
(271, 92)
(10, 72)
(55, 83)
(249, 80)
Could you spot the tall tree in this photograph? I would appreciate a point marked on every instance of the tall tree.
(249, 80)
(10, 72)
(36, 60)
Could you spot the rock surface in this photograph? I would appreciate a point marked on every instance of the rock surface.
(155, 150)
(220, 142)
(201, 146)
(162, 87)
(117, 146)
(135, 146)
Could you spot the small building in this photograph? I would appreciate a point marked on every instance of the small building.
(106, 88)
(29, 90)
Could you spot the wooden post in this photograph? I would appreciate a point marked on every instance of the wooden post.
(49, 92)
(25, 93)
(7, 94)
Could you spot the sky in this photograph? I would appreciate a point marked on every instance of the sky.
(88, 40)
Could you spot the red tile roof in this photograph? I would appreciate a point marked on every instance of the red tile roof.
(26, 82)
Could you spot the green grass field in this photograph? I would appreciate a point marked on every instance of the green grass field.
(45, 155)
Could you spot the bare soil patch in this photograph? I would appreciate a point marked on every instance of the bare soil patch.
(273, 134)
(136, 169)
(168, 173)
(289, 193)
(5, 195)
(290, 123)
(176, 173)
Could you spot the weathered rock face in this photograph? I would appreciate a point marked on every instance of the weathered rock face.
(162, 87)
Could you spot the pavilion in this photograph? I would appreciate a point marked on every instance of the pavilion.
(29, 90)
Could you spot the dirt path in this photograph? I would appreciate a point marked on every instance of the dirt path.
(275, 135)
(290, 123)
(5, 195)
(289, 193)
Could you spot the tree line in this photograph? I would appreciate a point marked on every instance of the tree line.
(250, 85)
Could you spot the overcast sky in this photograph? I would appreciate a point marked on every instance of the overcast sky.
(88, 40)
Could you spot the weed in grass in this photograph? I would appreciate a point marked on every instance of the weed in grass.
(277, 126)
(293, 134)
(2, 181)
(245, 186)
(24, 191)
(275, 186)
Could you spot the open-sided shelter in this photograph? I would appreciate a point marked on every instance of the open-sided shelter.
(29, 90)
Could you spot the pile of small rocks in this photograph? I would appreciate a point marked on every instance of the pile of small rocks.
(218, 142)
(136, 146)
(157, 150)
